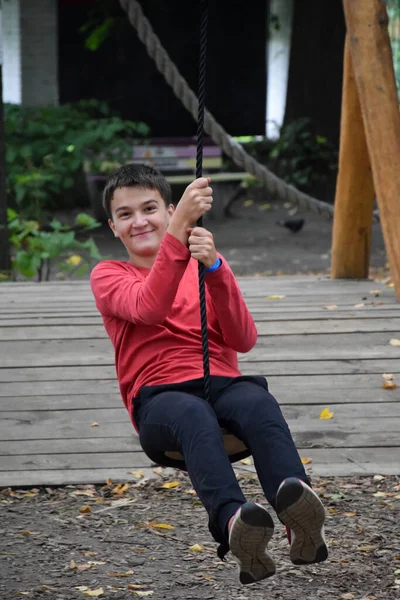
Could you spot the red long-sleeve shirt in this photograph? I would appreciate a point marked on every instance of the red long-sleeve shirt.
(152, 317)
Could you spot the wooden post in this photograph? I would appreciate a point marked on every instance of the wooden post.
(372, 61)
(351, 240)
(4, 245)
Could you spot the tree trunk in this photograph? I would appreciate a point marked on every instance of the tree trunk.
(4, 245)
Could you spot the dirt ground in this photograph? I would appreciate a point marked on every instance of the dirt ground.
(253, 242)
(147, 540)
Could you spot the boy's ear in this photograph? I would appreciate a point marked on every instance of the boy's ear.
(112, 227)
(171, 209)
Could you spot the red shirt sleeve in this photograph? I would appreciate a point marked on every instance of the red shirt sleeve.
(236, 323)
(125, 294)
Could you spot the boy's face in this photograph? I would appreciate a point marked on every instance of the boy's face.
(140, 220)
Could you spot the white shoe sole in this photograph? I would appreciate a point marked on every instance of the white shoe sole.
(250, 534)
(300, 509)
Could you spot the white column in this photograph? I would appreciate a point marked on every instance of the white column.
(30, 52)
(278, 57)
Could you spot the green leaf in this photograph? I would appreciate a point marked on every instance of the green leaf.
(26, 263)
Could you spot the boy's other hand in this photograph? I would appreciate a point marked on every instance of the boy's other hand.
(201, 246)
(195, 202)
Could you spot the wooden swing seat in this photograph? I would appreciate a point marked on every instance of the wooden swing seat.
(234, 447)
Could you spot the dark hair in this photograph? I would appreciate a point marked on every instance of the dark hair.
(135, 175)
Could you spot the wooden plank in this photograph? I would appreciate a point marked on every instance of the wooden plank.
(294, 296)
(372, 60)
(259, 315)
(74, 476)
(292, 390)
(268, 369)
(52, 392)
(332, 462)
(111, 410)
(53, 332)
(31, 425)
(375, 306)
(291, 347)
(354, 201)
(107, 460)
(303, 282)
(304, 441)
(78, 332)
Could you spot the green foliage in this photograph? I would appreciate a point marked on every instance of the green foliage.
(300, 157)
(48, 148)
(393, 9)
(36, 249)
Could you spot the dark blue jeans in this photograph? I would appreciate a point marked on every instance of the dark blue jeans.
(177, 418)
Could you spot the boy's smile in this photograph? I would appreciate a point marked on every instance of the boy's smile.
(140, 220)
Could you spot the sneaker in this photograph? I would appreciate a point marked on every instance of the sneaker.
(300, 509)
(251, 530)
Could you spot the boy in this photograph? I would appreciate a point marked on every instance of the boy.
(150, 309)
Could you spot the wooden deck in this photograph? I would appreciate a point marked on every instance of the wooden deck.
(57, 379)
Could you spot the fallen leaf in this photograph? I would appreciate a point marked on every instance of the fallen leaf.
(347, 596)
(394, 342)
(27, 532)
(326, 414)
(387, 376)
(139, 474)
(84, 567)
(358, 306)
(73, 565)
(24, 593)
(376, 292)
(350, 514)
(136, 586)
(94, 424)
(94, 593)
(379, 495)
(162, 526)
(332, 511)
(148, 593)
(171, 484)
(330, 307)
(248, 203)
(89, 553)
(120, 489)
(94, 563)
(196, 548)
(389, 385)
(275, 297)
(89, 493)
(113, 574)
(158, 470)
(264, 206)
(378, 477)
(367, 548)
(85, 509)
(306, 461)
(82, 588)
(246, 461)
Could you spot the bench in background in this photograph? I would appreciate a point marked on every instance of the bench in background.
(176, 159)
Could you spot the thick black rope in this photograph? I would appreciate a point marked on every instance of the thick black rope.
(199, 173)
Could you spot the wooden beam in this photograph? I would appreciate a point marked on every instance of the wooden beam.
(372, 61)
(352, 225)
